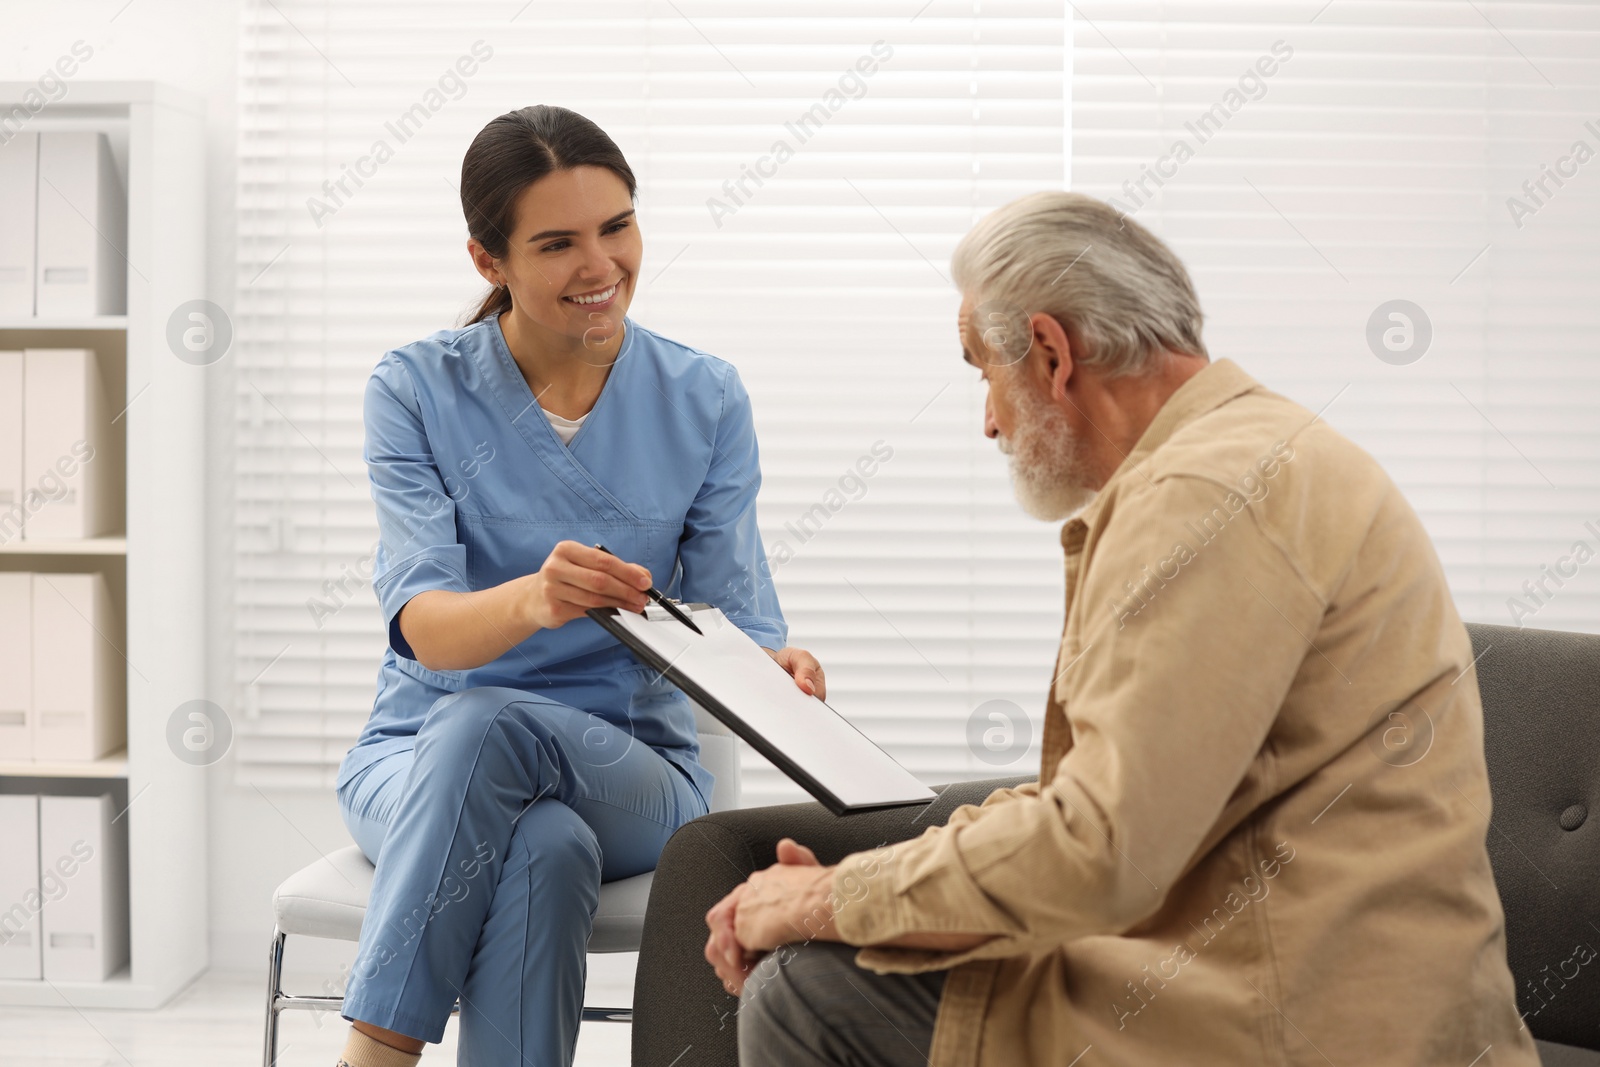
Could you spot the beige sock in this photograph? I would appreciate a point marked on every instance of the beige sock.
(363, 1051)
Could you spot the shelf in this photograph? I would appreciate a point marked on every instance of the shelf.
(83, 546)
(104, 99)
(158, 447)
(118, 991)
(112, 766)
(86, 322)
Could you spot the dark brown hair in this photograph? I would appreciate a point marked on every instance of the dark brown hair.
(510, 154)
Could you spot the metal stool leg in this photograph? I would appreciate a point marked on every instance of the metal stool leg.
(278, 1001)
(608, 1015)
(269, 1056)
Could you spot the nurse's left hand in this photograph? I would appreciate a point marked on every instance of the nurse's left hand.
(803, 668)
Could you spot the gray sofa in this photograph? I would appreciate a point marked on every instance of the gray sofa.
(1541, 696)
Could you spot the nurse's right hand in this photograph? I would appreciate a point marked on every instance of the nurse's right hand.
(576, 577)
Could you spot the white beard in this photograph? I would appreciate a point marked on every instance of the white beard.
(1049, 470)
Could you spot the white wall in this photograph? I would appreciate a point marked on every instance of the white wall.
(255, 839)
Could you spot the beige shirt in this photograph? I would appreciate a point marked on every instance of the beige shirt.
(1260, 833)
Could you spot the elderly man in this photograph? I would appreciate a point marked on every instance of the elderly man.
(1258, 832)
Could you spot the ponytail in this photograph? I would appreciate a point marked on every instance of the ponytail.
(494, 303)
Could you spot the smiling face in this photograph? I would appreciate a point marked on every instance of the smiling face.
(572, 261)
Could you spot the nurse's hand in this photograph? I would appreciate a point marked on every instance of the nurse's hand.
(576, 577)
(803, 668)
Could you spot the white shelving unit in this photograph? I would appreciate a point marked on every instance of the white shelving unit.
(155, 569)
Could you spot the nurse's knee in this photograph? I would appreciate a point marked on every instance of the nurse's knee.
(549, 834)
(468, 714)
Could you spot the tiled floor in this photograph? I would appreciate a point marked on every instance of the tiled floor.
(217, 1021)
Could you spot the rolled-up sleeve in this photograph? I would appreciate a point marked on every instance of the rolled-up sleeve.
(724, 563)
(1168, 705)
(419, 545)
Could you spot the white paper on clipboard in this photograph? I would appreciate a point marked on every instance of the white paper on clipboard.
(738, 682)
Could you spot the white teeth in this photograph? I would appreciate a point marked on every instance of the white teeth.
(598, 298)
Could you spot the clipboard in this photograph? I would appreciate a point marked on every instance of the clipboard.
(744, 688)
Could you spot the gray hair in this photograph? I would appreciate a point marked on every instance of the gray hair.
(1117, 290)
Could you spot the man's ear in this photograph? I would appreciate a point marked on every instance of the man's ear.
(1053, 351)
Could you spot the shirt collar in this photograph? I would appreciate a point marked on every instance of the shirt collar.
(1215, 385)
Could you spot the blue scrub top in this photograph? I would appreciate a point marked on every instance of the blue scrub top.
(473, 488)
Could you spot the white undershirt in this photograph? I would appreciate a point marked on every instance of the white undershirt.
(565, 428)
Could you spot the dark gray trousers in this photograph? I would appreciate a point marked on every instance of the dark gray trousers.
(809, 1005)
(683, 1017)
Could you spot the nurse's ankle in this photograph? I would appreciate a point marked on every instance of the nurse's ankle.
(365, 1050)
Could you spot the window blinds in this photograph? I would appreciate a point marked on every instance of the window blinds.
(805, 171)
(1313, 164)
(1389, 211)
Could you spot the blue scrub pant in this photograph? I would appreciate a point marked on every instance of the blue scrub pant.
(491, 836)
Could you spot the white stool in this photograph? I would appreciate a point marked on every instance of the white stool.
(329, 898)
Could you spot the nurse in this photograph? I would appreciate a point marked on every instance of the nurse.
(517, 756)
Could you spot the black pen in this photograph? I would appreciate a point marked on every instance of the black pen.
(655, 594)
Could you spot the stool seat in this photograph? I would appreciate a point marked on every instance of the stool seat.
(328, 898)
